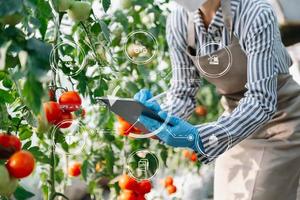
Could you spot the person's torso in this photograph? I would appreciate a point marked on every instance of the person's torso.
(216, 37)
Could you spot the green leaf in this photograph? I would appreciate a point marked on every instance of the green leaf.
(59, 175)
(26, 145)
(39, 155)
(43, 14)
(33, 92)
(99, 92)
(60, 138)
(105, 4)
(164, 154)
(4, 117)
(92, 186)
(6, 97)
(105, 30)
(122, 18)
(110, 159)
(38, 57)
(22, 194)
(25, 133)
(7, 83)
(84, 169)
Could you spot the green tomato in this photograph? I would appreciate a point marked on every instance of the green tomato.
(126, 4)
(43, 125)
(101, 52)
(80, 11)
(4, 177)
(64, 5)
(11, 19)
(8, 185)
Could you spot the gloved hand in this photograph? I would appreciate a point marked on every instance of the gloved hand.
(175, 131)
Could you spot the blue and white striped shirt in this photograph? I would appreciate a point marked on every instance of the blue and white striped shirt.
(255, 24)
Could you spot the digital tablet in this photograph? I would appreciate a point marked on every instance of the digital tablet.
(130, 110)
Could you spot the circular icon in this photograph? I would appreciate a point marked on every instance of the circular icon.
(140, 47)
(214, 65)
(68, 57)
(213, 141)
(142, 165)
(71, 140)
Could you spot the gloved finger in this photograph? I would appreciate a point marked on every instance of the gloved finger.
(149, 123)
(170, 119)
(138, 95)
(143, 95)
(153, 105)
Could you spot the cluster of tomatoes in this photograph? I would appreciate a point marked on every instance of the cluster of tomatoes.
(192, 156)
(60, 113)
(18, 163)
(132, 189)
(77, 10)
(124, 128)
(168, 183)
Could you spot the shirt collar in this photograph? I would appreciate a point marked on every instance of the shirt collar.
(217, 22)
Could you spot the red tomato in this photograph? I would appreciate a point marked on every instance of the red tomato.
(201, 111)
(53, 112)
(20, 164)
(186, 153)
(70, 101)
(141, 197)
(127, 183)
(168, 181)
(9, 144)
(171, 189)
(194, 157)
(66, 120)
(124, 128)
(127, 195)
(144, 187)
(136, 130)
(75, 169)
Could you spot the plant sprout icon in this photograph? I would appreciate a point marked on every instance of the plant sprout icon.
(213, 140)
(143, 166)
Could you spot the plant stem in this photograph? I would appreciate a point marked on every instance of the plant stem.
(52, 171)
(90, 43)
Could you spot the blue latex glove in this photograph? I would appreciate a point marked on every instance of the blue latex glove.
(178, 134)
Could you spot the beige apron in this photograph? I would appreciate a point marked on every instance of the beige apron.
(265, 166)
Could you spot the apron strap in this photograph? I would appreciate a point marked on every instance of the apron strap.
(191, 35)
(227, 16)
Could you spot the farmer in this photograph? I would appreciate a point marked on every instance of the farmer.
(235, 45)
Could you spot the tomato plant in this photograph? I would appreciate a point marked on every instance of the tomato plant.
(56, 58)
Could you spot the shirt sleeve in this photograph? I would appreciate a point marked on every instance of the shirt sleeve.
(185, 80)
(259, 103)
